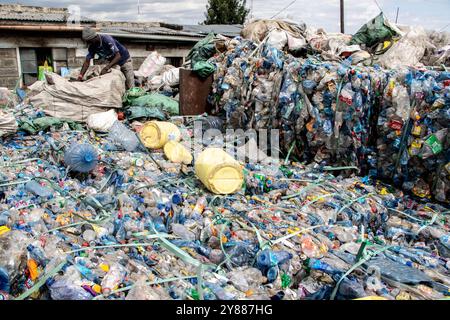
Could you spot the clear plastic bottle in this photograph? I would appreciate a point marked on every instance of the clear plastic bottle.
(200, 206)
(124, 137)
(182, 232)
(113, 278)
(37, 189)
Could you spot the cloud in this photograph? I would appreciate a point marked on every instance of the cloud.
(432, 14)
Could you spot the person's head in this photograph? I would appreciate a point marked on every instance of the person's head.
(90, 36)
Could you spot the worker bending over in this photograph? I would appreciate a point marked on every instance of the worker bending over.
(109, 49)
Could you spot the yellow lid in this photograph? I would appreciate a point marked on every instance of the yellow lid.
(372, 298)
(104, 267)
(219, 171)
(4, 229)
(150, 135)
(155, 134)
(226, 180)
(177, 153)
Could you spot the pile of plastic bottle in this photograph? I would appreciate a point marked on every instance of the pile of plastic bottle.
(83, 218)
(389, 124)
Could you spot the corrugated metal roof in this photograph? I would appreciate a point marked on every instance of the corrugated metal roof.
(150, 31)
(226, 30)
(38, 16)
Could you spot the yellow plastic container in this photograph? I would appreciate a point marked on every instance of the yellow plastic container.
(177, 153)
(155, 134)
(372, 298)
(218, 171)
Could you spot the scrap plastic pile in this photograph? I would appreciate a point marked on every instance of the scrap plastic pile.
(388, 123)
(101, 209)
(133, 225)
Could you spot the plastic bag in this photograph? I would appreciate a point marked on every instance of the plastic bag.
(151, 65)
(376, 30)
(156, 100)
(277, 39)
(204, 69)
(102, 121)
(145, 112)
(296, 43)
(171, 77)
(8, 123)
(408, 51)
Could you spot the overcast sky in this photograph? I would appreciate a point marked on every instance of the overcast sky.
(432, 14)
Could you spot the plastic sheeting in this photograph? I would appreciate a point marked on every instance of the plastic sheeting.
(8, 124)
(78, 100)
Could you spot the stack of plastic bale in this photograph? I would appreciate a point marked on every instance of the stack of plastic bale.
(324, 106)
(339, 99)
(413, 139)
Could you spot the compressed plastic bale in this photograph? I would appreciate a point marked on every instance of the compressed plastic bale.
(218, 171)
(102, 121)
(155, 134)
(177, 153)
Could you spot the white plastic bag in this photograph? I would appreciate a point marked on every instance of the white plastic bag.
(277, 39)
(171, 77)
(151, 65)
(408, 51)
(295, 43)
(102, 121)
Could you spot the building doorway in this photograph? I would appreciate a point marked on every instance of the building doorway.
(31, 59)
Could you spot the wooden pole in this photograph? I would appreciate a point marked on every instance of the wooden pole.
(342, 17)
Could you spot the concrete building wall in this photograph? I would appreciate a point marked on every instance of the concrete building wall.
(9, 71)
(76, 51)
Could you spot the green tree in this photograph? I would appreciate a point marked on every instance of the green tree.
(226, 12)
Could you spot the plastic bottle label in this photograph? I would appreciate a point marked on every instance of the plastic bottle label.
(435, 144)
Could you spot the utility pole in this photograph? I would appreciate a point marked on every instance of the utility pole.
(396, 17)
(342, 17)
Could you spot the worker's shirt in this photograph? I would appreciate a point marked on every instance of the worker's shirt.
(107, 50)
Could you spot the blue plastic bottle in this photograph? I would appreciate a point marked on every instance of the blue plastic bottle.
(4, 280)
(268, 258)
(81, 157)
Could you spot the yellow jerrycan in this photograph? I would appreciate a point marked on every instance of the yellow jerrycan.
(218, 171)
(155, 134)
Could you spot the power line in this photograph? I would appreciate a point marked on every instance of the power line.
(378, 5)
(290, 4)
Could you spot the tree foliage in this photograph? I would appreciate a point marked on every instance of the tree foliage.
(226, 12)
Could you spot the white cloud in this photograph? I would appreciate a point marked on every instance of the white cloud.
(318, 13)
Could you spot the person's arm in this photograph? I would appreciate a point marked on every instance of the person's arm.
(113, 62)
(84, 68)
